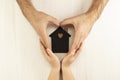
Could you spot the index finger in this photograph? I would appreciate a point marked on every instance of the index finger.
(75, 42)
(44, 50)
(45, 39)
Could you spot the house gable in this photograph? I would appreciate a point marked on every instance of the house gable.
(60, 30)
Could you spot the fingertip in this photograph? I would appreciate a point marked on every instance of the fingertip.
(48, 51)
(62, 23)
(73, 51)
(65, 22)
(58, 22)
(55, 21)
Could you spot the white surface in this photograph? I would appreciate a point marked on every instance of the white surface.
(20, 55)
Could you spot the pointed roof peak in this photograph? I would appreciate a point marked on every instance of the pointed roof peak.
(60, 29)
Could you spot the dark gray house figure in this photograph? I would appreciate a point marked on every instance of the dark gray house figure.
(60, 40)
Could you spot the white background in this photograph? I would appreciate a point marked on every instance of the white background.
(100, 59)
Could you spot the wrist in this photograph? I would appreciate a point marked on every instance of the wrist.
(56, 66)
(55, 70)
(87, 17)
(64, 68)
(91, 16)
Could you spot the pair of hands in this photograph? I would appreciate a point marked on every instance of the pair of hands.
(58, 66)
(55, 62)
(82, 26)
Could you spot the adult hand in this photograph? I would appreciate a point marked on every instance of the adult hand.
(51, 57)
(39, 21)
(82, 26)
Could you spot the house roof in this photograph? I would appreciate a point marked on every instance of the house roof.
(60, 30)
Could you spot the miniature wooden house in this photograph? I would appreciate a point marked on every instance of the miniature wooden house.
(60, 40)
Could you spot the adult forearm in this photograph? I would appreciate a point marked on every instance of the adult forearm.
(26, 7)
(96, 9)
(54, 74)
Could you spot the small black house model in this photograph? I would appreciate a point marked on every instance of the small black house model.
(60, 40)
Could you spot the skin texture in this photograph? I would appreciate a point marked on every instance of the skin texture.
(67, 61)
(39, 20)
(56, 64)
(53, 61)
(82, 24)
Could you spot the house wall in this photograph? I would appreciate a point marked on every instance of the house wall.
(22, 59)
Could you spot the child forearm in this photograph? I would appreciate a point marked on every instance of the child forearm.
(67, 74)
(54, 74)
